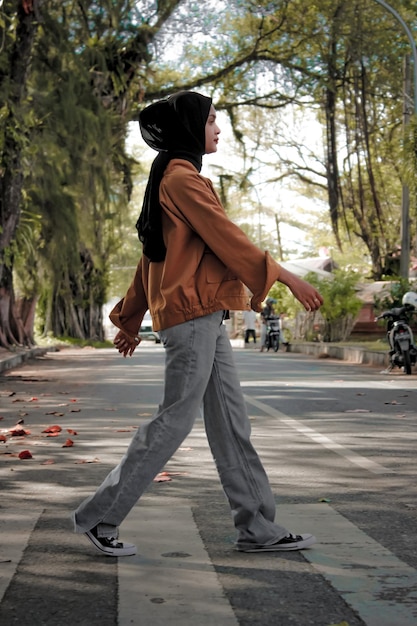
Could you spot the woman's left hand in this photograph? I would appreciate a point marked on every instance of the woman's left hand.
(125, 344)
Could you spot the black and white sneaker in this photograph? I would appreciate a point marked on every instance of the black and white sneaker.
(291, 542)
(110, 546)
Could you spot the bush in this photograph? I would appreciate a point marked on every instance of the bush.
(396, 291)
(341, 303)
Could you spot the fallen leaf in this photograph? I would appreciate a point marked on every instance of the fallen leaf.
(394, 402)
(53, 434)
(166, 476)
(163, 477)
(3, 438)
(53, 429)
(33, 399)
(75, 410)
(55, 413)
(68, 444)
(71, 432)
(48, 462)
(19, 431)
(25, 454)
(81, 461)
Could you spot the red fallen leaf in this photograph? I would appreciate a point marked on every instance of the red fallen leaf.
(19, 432)
(166, 476)
(25, 454)
(3, 438)
(163, 477)
(68, 444)
(33, 399)
(53, 429)
(53, 434)
(1, 417)
(71, 432)
(73, 400)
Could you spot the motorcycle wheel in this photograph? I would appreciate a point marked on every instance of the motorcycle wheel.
(275, 344)
(407, 361)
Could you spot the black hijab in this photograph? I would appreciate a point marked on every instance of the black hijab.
(175, 127)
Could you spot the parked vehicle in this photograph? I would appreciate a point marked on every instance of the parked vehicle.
(403, 352)
(146, 331)
(273, 332)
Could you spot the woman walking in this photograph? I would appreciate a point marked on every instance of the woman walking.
(194, 269)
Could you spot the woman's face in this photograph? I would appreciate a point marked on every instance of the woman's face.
(212, 132)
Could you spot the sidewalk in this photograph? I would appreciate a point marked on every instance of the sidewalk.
(351, 354)
(11, 359)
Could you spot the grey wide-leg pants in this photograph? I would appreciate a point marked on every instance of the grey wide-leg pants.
(199, 370)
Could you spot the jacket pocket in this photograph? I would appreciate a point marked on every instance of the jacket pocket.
(216, 271)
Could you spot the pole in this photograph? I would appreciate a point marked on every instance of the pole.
(405, 201)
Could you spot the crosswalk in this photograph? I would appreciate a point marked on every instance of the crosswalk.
(172, 579)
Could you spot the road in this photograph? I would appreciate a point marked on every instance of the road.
(338, 442)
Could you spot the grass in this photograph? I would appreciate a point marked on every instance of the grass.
(70, 342)
(376, 344)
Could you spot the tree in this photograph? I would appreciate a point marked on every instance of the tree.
(68, 118)
(19, 31)
(330, 57)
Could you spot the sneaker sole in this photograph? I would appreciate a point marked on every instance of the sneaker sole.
(128, 550)
(298, 545)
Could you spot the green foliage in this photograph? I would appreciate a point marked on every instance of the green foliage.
(339, 294)
(394, 296)
(271, 67)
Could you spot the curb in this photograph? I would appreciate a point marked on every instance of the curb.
(353, 354)
(10, 360)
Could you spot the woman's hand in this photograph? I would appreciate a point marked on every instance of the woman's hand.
(303, 291)
(126, 345)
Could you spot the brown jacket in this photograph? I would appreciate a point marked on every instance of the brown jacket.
(208, 260)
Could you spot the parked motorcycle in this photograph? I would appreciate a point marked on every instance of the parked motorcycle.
(403, 352)
(273, 333)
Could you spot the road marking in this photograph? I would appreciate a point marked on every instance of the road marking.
(374, 582)
(171, 580)
(15, 529)
(323, 440)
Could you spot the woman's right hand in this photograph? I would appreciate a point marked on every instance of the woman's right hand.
(125, 344)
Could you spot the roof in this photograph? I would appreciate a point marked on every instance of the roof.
(322, 266)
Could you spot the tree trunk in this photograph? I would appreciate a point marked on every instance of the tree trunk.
(15, 131)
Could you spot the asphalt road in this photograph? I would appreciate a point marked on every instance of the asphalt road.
(338, 442)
